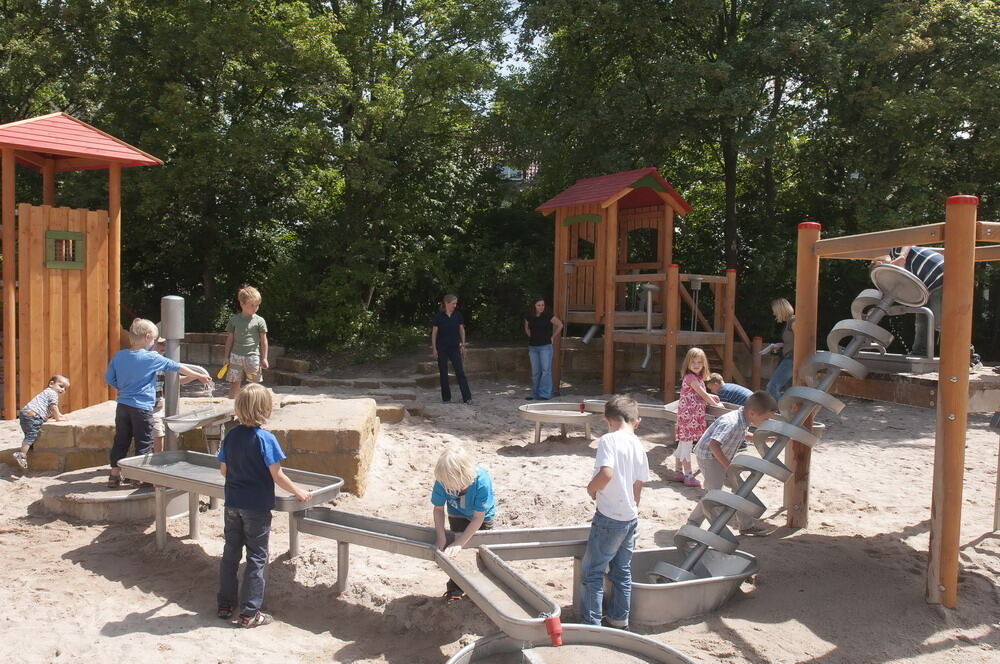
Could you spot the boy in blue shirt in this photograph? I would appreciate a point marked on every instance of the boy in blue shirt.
(727, 392)
(133, 373)
(467, 490)
(251, 463)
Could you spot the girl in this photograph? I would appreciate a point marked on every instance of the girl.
(691, 413)
(448, 343)
(542, 328)
(782, 376)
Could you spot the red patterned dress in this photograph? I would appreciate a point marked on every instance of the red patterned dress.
(690, 410)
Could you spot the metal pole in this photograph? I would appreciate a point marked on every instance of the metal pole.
(161, 517)
(172, 329)
(193, 524)
(343, 565)
(293, 534)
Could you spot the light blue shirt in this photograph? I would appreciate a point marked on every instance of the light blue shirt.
(477, 497)
(133, 374)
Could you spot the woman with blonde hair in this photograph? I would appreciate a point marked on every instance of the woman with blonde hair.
(448, 344)
(782, 376)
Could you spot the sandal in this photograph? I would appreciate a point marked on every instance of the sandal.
(258, 619)
(225, 612)
(115, 481)
(451, 596)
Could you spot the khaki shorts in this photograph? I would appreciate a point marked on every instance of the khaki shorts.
(244, 365)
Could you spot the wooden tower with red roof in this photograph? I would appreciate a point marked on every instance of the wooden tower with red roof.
(613, 243)
(61, 266)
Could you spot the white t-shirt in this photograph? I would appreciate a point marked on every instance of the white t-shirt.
(622, 452)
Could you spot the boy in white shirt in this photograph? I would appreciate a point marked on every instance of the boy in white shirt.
(619, 472)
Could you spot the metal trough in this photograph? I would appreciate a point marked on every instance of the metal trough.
(202, 417)
(558, 413)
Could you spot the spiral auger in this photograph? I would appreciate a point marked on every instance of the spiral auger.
(798, 404)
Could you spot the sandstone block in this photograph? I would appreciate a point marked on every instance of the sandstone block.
(480, 359)
(55, 436)
(95, 436)
(367, 383)
(289, 364)
(391, 412)
(90, 459)
(427, 368)
(217, 355)
(44, 460)
(198, 353)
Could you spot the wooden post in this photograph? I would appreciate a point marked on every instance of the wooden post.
(798, 456)
(610, 268)
(755, 363)
(672, 323)
(49, 182)
(560, 304)
(729, 324)
(9, 286)
(953, 399)
(114, 260)
(665, 241)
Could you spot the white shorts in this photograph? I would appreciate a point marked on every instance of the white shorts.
(683, 451)
(158, 429)
(244, 365)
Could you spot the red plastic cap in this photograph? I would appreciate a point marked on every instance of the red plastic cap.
(731, 269)
(810, 224)
(554, 627)
(758, 338)
(963, 200)
(674, 265)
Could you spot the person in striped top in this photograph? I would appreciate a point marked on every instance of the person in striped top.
(35, 412)
(928, 266)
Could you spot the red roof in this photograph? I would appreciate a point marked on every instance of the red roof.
(61, 136)
(605, 187)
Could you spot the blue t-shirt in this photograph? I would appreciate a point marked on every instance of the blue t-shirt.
(448, 335)
(733, 393)
(247, 453)
(133, 374)
(477, 497)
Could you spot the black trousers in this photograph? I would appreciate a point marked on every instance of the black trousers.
(131, 423)
(457, 525)
(455, 355)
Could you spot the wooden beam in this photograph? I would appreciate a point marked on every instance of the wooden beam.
(671, 324)
(32, 158)
(611, 261)
(895, 237)
(953, 400)
(614, 199)
(797, 455)
(81, 163)
(705, 278)
(632, 278)
(666, 254)
(49, 182)
(640, 337)
(7, 189)
(989, 253)
(560, 294)
(114, 259)
(755, 363)
(700, 338)
(987, 231)
(728, 324)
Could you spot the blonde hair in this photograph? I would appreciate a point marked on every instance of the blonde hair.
(248, 294)
(715, 378)
(253, 405)
(450, 297)
(622, 408)
(455, 469)
(692, 355)
(141, 330)
(782, 309)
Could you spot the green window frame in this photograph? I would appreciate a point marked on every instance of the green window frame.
(65, 250)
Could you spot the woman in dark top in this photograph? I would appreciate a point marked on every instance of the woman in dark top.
(542, 328)
(448, 343)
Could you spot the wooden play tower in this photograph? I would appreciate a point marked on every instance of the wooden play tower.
(61, 266)
(613, 244)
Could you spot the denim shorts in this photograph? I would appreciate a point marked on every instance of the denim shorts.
(30, 425)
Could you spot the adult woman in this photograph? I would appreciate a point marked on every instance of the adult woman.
(448, 343)
(782, 376)
(542, 328)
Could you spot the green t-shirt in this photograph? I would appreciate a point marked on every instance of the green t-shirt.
(246, 333)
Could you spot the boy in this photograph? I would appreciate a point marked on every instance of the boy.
(928, 266)
(719, 444)
(727, 392)
(246, 343)
(620, 470)
(467, 490)
(33, 415)
(159, 429)
(133, 373)
(251, 463)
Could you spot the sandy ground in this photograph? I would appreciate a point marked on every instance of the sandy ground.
(849, 589)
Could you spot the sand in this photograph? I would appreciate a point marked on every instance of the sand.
(849, 589)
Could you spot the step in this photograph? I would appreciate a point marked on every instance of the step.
(290, 364)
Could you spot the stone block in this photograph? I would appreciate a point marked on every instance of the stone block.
(92, 436)
(55, 436)
(193, 440)
(289, 364)
(44, 460)
(427, 381)
(217, 355)
(480, 360)
(89, 459)
(277, 377)
(427, 368)
(367, 383)
(399, 382)
(318, 381)
(506, 360)
(391, 413)
(274, 351)
(584, 360)
(198, 353)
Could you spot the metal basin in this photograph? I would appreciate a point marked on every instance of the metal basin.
(202, 417)
(557, 413)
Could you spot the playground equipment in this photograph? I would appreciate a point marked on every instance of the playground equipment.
(198, 475)
(61, 266)
(614, 244)
(581, 644)
(558, 413)
(798, 404)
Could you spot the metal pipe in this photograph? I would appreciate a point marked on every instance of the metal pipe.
(172, 329)
(589, 336)
(650, 289)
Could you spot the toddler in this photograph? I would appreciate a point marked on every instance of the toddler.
(36, 412)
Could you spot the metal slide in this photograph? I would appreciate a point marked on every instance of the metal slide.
(896, 286)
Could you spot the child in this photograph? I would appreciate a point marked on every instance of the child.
(467, 490)
(33, 415)
(718, 446)
(619, 472)
(727, 392)
(691, 414)
(250, 459)
(159, 430)
(246, 343)
(133, 373)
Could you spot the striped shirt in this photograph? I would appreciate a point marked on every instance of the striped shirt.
(733, 393)
(729, 430)
(42, 402)
(926, 264)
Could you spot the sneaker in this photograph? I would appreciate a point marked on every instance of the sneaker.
(468, 402)
(115, 482)
(675, 476)
(614, 624)
(529, 398)
(451, 596)
(22, 460)
(758, 530)
(258, 619)
(225, 612)
(691, 480)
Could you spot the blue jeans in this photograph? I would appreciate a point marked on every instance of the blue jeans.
(781, 377)
(250, 529)
(609, 547)
(541, 371)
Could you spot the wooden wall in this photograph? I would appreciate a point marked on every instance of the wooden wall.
(62, 314)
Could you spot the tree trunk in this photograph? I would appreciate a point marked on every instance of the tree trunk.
(729, 158)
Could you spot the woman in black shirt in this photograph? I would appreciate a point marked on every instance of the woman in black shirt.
(448, 343)
(542, 328)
